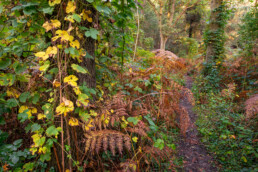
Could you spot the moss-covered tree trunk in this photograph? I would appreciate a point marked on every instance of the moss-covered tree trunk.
(214, 41)
(213, 52)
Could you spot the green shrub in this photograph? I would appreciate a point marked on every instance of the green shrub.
(226, 133)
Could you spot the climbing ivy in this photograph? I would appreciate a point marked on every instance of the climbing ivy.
(215, 38)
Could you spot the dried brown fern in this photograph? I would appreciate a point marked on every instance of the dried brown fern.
(251, 106)
(128, 166)
(104, 139)
(151, 152)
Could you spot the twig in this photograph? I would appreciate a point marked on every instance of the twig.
(58, 165)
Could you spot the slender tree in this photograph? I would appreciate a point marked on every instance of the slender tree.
(169, 14)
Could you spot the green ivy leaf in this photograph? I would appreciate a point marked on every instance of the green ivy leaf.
(138, 89)
(52, 131)
(159, 143)
(23, 116)
(92, 33)
(77, 18)
(4, 63)
(14, 159)
(134, 120)
(24, 96)
(45, 66)
(47, 10)
(11, 103)
(7, 79)
(35, 98)
(28, 166)
(103, 9)
(79, 69)
(45, 157)
(35, 127)
(20, 68)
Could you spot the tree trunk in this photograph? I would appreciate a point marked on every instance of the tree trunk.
(214, 41)
(211, 50)
(89, 46)
(163, 41)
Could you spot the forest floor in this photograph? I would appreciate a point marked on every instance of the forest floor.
(195, 155)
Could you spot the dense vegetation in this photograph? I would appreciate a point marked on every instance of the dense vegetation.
(87, 85)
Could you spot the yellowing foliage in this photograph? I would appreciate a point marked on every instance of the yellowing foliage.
(64, 35)
(85, 15)
(41, 116)
(54, 2)
(51, 50)
(70, 8)
(75, 43)
(71, 80)
(42, 55)
(51, 25)
(65, 107)
(24, 108)
(73, 122)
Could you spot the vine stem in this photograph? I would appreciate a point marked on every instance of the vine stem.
(58, 165)
(62, 120)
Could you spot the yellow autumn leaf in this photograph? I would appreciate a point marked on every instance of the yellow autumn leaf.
(71, 80)
(69, 18)
(53, 24)
(47, 26)
(77, 90)
(42, 55)
(51, 50)
(78, 33)
(70, 8)
(42, 150)
(135, 139)
(54, 2)
(65, 107)
(11, 92)
(106, 121)
(23, 108)
(102, 117)
(75, 44)
(88, 126)
(33, 150)
(85, 15)
(41, 116)
(70, 38)
(73, 122)
(93, 113)
(35, 139)
(34, 110)
(83, 100)
(56, 84)
(61, 34)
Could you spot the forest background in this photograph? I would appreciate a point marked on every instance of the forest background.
(86, 85)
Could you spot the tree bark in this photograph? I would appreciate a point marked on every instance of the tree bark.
(163, 41)
(213, 27)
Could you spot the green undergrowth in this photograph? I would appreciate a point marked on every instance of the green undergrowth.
(225, 131)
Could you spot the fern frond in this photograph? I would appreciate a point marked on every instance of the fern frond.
(96, 140)
(251, 106)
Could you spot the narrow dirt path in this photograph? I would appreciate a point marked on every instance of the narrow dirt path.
(196, 157)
